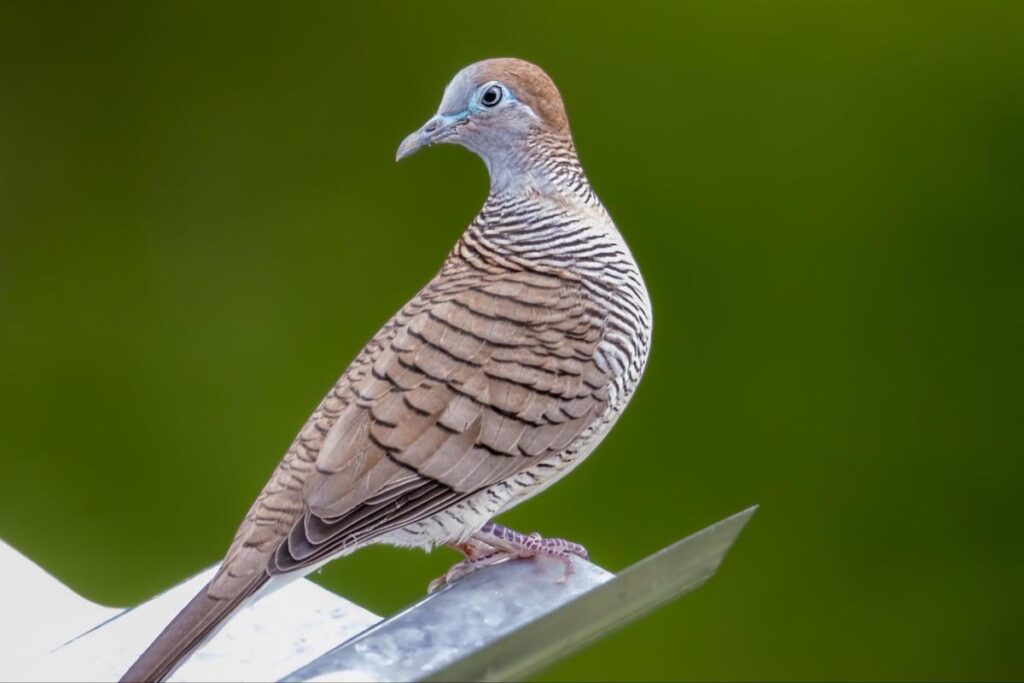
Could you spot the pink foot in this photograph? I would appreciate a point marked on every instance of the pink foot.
(477, 555)
(495, 543)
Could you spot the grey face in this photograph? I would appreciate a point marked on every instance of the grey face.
(482, 115)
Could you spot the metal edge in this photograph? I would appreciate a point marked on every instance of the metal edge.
(637, 590)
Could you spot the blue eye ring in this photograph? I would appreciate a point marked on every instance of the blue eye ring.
(492, 95)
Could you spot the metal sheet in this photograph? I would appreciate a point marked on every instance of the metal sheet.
(264, 641)
(508, 621)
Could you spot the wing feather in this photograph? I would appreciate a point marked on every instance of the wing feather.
(476, 385)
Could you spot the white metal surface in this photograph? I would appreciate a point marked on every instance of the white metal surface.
(51, 634)
(37, 613)
(500, 623)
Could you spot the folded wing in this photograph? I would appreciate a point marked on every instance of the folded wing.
(477, 384)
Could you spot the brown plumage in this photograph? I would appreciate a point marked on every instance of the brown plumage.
(503, 372)
(533, 87)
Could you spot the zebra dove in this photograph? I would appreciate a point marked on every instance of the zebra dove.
(501, 375)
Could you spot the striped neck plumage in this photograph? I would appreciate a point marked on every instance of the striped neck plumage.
(540, 212)
(543, 164)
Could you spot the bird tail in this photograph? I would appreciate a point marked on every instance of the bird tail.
(187, 631)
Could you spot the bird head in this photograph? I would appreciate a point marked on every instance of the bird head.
(493, 108)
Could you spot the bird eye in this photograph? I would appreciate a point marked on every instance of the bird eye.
(491, 96)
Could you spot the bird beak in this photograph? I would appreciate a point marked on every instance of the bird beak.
(435, 130)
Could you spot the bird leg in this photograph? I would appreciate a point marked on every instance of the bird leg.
(494, 544)
(478, 555)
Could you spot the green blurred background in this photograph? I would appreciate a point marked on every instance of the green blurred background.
(201, 223)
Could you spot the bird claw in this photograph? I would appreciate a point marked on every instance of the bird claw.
(495, 544)
(466, 567)
(561, 550)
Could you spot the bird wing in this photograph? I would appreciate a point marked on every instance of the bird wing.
(480, 377)
(478, 383)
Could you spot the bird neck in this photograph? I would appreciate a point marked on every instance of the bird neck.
(538, 197)
(543, 164)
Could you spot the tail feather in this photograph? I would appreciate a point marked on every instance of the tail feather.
(186, 632)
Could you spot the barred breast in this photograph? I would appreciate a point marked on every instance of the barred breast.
(576, 245)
